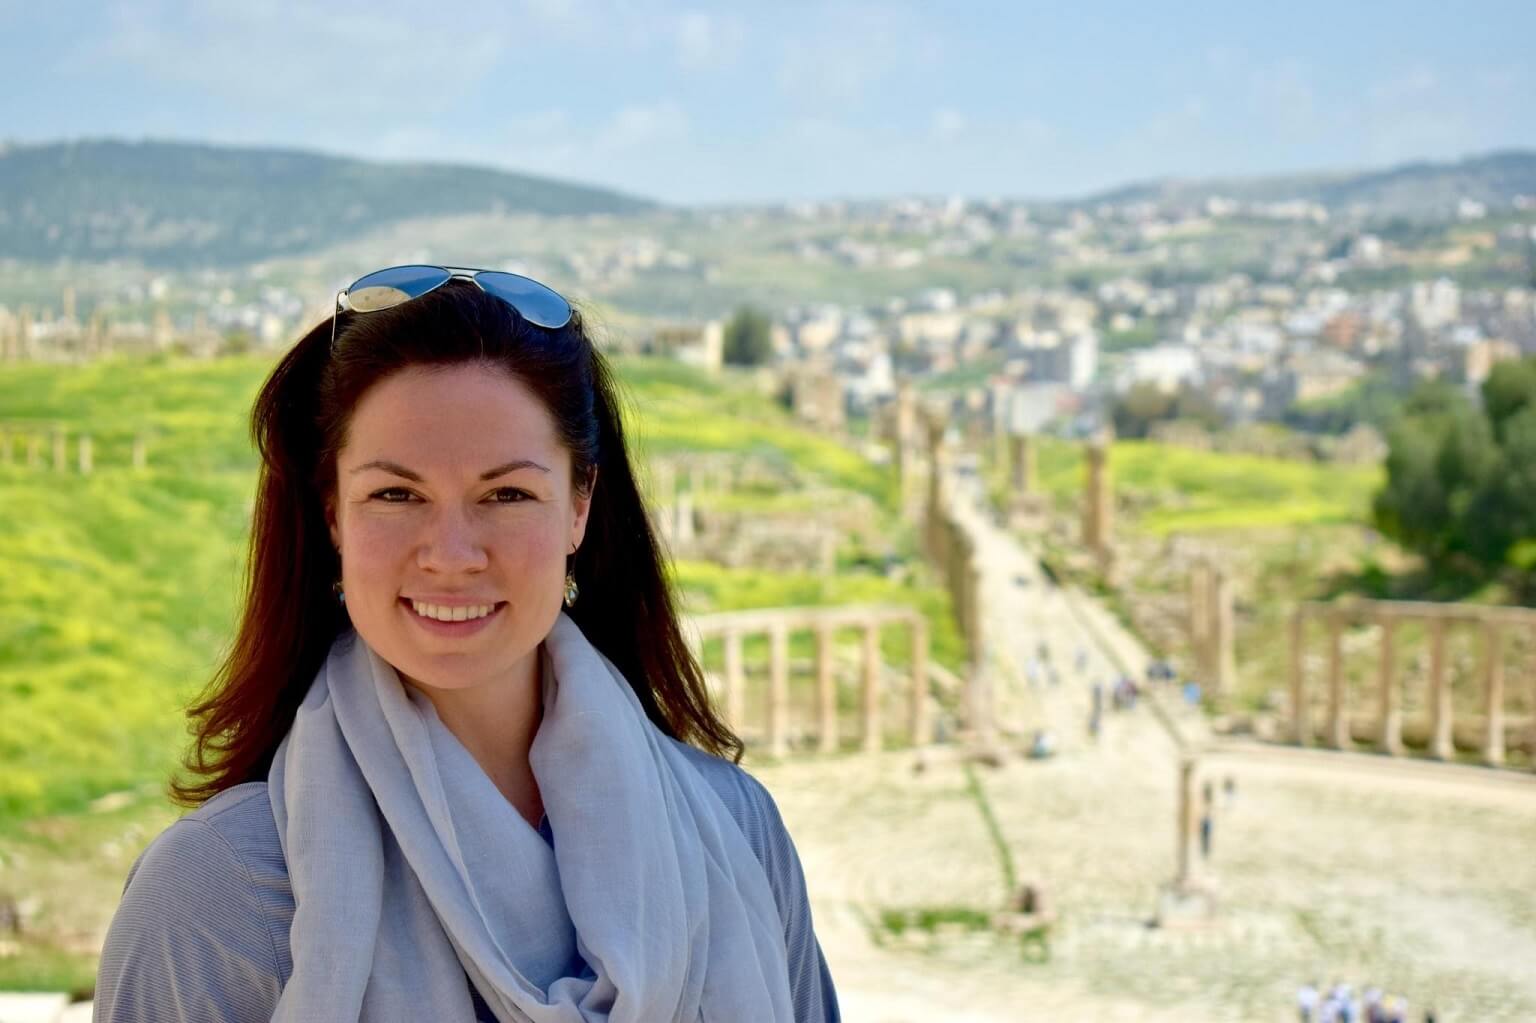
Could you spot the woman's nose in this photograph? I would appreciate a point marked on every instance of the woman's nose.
(452, 543)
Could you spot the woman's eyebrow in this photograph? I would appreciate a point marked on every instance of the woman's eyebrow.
(399, 470)
(521, 463)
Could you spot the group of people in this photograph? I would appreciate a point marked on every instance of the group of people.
(1339, 1005)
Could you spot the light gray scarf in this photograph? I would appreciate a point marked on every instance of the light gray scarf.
(410, 870)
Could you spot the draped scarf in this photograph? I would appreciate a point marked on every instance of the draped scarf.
(410, 870)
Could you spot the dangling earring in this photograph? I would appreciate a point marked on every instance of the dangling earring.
(341, 596)
(572, 591)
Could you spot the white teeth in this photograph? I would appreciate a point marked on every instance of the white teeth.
(452, 614)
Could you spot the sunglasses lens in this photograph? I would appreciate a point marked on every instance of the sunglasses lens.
(386, 288)
(537, 304)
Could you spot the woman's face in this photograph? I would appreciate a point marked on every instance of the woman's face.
(454, 497)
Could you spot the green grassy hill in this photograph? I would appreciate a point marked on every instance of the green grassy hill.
(121, 586)
(1184, 490)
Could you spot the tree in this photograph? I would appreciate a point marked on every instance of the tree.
(1461, 481)
(1510, 387)
(1140, 407)
(748, 337)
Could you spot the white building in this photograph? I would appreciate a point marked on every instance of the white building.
(1164, 366)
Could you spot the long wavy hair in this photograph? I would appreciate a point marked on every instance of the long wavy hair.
(290, 615)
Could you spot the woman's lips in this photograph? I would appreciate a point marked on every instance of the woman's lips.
(464, 628)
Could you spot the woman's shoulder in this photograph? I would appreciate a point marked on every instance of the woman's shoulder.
(743, 795)
(755, 813)
(233, 833)
(210, 896)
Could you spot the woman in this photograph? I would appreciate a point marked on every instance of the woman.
(459, 763)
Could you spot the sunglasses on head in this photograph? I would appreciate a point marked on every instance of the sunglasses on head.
(384, 289)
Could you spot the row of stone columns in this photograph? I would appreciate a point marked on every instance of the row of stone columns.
(1492, 625)
(952, 551)
(1211, 628)
(734, 628)
(32, 445)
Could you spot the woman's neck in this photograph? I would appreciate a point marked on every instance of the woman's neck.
(496, 723)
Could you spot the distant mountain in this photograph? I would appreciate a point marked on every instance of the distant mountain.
(1421, 190)
(181, 204)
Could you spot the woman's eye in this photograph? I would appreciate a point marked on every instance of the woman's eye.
(511, 495)
(392, 495)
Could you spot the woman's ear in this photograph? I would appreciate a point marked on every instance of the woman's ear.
(330, 522)
(581, 505)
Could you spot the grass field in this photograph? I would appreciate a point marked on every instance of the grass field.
(1177, 489)
(121, 586)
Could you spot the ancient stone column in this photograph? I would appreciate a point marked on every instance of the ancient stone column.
(1301, 725)
(871, 689)
(664, 484)
(735, 681)
(1391, 720)
(682, 532)
(1186, 823)
(1530, 675)
(1200, 620)
(60, 450)
(34, 451)
(5, 447)
(1021, 464)
(826, 688)
(24, 333)
(957, 548)
(937, 465)
(1222, 636)
(1093, 520)
(778, 691)
(1439, 694)
(140, 452)
(86, 453)
(905, 439)
(921, 730)
(1493, 694)
(1338, 709)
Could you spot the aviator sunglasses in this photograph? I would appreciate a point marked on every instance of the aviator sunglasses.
(384, 289)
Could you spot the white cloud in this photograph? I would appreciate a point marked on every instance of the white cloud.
(847, 51)
(947, 125)
(350, 59)
(707, 40)
(637, 127)
(1410, 86)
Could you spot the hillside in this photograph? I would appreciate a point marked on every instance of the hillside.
(1419, 190)
(184, 205)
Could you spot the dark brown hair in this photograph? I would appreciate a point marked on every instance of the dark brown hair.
(291, 616)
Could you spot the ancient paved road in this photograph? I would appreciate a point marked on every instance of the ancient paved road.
(1420, 881)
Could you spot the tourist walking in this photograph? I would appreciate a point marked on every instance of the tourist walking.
(1306, 1003)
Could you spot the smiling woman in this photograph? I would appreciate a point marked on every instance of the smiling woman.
(459, 762)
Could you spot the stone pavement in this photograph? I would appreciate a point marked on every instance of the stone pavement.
(42, 1008)
(1325, 867)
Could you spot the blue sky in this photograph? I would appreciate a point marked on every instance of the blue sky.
(711, 103)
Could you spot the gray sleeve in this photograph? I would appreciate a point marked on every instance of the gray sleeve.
(190, 940)
(810, 982)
